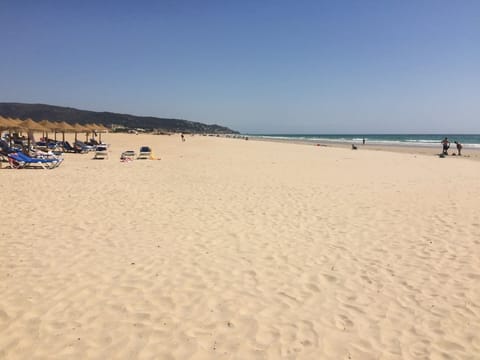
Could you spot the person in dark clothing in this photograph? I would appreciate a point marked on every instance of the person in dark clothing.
(459, 148)
(446, 145)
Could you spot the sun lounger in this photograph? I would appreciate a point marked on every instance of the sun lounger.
(69, 148)
(39, 154)
(19, 161)
(144, 153)
(16, 162)
(83, 147)
(51, 161)
(101, 152)
(127, 155)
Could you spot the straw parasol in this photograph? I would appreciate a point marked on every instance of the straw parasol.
(95, 128)
(30, 126)
(101, 128)
(14, 123)
(54, 128)
(4, 123)
(10, 124)
(89, 128)
(79, 128)
(64, 127)
(47, 125)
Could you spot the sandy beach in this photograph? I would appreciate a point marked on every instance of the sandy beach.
(232, 249)
(471, 153)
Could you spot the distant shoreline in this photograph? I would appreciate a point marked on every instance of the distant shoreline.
(427, 150)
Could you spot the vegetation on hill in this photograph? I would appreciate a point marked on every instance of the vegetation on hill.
(40, 112)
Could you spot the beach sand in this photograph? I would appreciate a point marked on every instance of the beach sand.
(468, 152)
(234, 249)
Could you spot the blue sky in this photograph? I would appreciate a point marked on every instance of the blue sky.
(255, 66)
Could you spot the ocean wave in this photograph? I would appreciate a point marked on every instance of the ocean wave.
(472, 141)
(428, 141)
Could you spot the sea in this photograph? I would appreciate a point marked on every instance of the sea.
(421, 140)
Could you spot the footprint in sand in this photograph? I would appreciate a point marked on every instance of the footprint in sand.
(329, 278)
(343, 322)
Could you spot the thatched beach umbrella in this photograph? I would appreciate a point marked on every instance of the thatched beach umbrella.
(14, 123)
(79, 128)
(47, 126)
(94, 127)
(30, 126)
(97, 130)
(90, 128)
(4, 123)
(64, 127)
(101, 129)
(3, 126)
(9, 124)
(54, 128)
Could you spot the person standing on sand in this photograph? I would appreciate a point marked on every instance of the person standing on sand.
(459, 148)
(446, 145)
(363, 141)
(183, 137)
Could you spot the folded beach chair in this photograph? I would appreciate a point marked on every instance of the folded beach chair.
(144, 153)
(101, 152)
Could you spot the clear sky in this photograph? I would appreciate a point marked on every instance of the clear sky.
(274, 66)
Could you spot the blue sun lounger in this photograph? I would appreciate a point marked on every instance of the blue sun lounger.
(144, 153)
(20, 160)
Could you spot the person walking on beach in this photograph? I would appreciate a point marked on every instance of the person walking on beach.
(363, 141)
(183, 137)
(446, 145)
(459, 148)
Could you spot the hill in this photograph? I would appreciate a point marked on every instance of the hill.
(40, 112)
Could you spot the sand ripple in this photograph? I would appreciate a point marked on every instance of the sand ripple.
(241, 250)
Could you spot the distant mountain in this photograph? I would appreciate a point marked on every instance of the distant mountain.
(40, 112)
